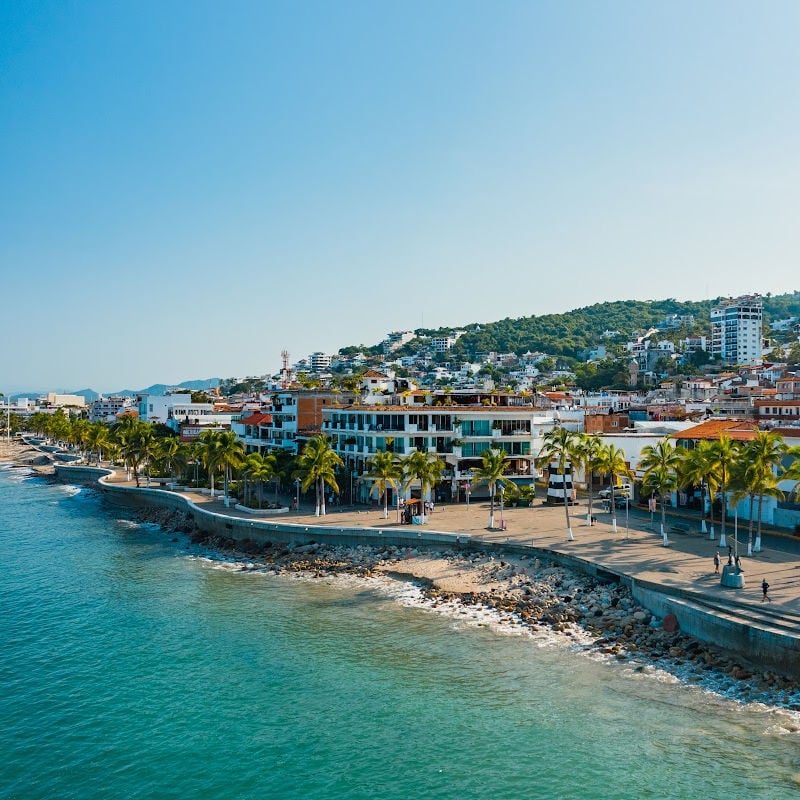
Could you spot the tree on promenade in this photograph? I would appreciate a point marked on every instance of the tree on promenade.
(317, 465)
(78, 435)
(661, 462)
(166, 454)
(385, 471)
(424, 467)
(259, 468)
(588, 451)
(58, 426)
(723, 454)
(697, 468)
(227, 454)
(560, 446)
(129, 435)
(207, 451)
(98, 440)
(767, 452)
(611, 461)
(491, 472)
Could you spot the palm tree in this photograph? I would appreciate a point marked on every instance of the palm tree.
(560, 446)
(207, 451)
(424, 467)
(611, 461)
(386, 472)
(138, 446)
(228, 454)
(696, 469)
(723, 454)
(661, 462)
(588, 452)
(744, 482)
(766, 451)
(123, 432)
(78, 434)
(495, 462)
(261, 469)
(167, 448)
(317, 465)
(98, 439)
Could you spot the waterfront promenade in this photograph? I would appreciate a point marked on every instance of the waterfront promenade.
(683, 572)
(636, 551)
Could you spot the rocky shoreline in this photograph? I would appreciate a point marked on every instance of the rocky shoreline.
(530, 594)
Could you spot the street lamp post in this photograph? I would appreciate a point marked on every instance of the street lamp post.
(502, 520)
(627, 525)
(296, 494)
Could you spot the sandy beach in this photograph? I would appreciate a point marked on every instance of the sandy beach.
(15, 451)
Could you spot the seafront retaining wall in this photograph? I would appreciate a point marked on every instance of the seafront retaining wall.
(775, 648)
(762, 645)
(241, 529)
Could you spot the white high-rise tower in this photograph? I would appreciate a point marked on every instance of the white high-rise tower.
(736, 330)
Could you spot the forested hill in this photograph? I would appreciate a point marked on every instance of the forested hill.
(569, 333)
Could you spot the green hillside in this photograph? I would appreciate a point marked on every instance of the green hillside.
(569, 333)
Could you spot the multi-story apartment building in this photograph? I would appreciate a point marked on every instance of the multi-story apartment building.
(458, 435)
(319, 362)
(736, 330)
(106, 409)
(295, 415)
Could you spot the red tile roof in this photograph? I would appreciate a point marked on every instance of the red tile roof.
(739, 430)
(257, 419)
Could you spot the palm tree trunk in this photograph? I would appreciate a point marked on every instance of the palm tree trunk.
(711, 515)
(750, 526)
(385, 503)
(613, 507)
(723, 539)
(589, 512)
(570, 537)
(664, 521)
(757, 546)
(322, 495)
(491, 508)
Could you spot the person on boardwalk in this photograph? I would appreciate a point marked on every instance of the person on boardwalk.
(716, 563)
(764, 589)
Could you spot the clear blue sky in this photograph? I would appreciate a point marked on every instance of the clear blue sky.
(190, 187)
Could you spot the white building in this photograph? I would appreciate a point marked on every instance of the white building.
(106, 409)
(441, 344)
(320, 362)
(396, 339)
(736, 330)
(65, 400)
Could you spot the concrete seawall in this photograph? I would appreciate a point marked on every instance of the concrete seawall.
(241, 529)
(775, 645)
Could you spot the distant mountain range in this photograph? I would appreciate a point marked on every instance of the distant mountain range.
(155, 389)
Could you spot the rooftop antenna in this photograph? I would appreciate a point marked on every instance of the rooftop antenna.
(284, 369)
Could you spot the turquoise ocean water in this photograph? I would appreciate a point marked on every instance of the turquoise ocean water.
(131, 668)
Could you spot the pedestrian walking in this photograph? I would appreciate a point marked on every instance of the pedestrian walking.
(764, 589)
(716, 563)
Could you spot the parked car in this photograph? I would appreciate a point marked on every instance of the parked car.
(619, 491)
